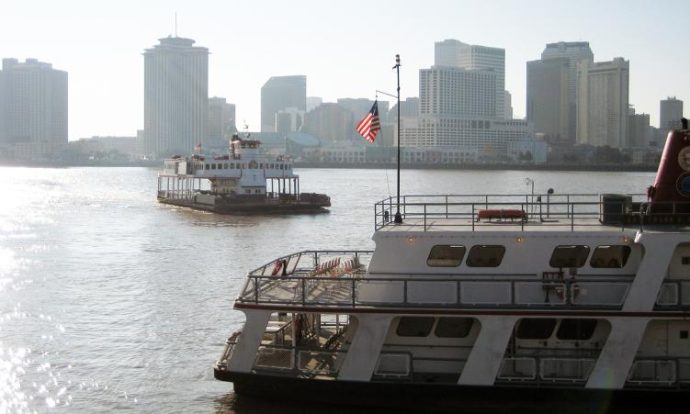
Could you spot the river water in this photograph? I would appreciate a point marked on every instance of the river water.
(111, 301)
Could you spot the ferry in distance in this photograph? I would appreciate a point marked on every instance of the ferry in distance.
(485, 303)
(244, 181)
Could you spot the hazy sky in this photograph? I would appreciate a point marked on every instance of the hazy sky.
(345, 48)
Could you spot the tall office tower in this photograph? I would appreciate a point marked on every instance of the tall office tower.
(331, 123)
(670, 113)
(454, 53)
(454, 91)
(33, 108)
(575, 52)
(281, 92)
(639, 132)
(602, 108)
(289, 120)
(175, 97)
(221, 121)
(547, 99)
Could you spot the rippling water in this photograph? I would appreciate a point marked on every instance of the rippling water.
(109, 300)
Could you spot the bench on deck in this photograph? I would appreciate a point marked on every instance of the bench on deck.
(502, 215)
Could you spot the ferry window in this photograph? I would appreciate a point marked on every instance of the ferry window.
(213, 166)
(683, 334)
(576, 329)
(569, 256)
(485, 256)
(685, 260)
(225, 166)
(535, 328)
(453, 327)
(610, 256)
(207, 167)
(418, 326)
(261, 165)
(443, 255)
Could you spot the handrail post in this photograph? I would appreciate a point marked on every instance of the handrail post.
(304, 291)
(353, 292)
(424, 216)
(472, 218)
(446, 207)
(405, 292)
(256, 290)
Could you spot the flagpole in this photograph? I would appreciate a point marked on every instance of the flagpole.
(398, 216)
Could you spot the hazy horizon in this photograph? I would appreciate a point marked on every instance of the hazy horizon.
(345, 50)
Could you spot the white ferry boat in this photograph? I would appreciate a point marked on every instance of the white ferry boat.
(489, 303)
(246, 180)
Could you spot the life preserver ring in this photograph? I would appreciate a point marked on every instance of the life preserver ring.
(276, 268)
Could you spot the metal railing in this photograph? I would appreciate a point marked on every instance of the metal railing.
(565, 211)
(472, 291)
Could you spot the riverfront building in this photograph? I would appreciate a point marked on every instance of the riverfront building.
(175, 97)
(670, 114)
(575, 53)
(602, 108)
(548, 98)
(33, 109)
(453, 53)
(279, 93)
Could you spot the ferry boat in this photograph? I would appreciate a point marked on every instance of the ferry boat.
(246, 180)
(486, 303)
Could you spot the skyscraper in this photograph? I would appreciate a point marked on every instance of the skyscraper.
(575, 53)
(548, 104)
(175, 97)
(451, 52)
(670, 114)
(221, 121)
(281, 92)
(602, 108)
(33, 108)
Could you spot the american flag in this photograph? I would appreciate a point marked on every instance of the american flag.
(369, 126)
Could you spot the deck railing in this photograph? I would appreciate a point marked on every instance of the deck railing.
(563, 211)
(472, 291)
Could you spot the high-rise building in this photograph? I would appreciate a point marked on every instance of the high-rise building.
(602, 108)
(507, 105)
(281, 92)
(457, 109)
(33, 108)
(453, 53)
(408, 108)
(221, 121)
(313, 102)
(175, 97)
(575, 53)
(455, 91)
(670, 113)
(331, 123)
(639, 132)
(548, 98)
(360, 106)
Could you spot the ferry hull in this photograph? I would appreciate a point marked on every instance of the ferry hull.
(431, 397)
(252, 207)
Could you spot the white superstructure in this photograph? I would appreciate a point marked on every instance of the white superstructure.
(483, 301)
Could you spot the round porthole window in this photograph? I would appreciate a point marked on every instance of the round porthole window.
(684, 158)
(683, 185)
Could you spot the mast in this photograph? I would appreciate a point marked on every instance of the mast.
(398, 216)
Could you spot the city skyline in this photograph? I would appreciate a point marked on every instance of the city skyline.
(251, 43)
